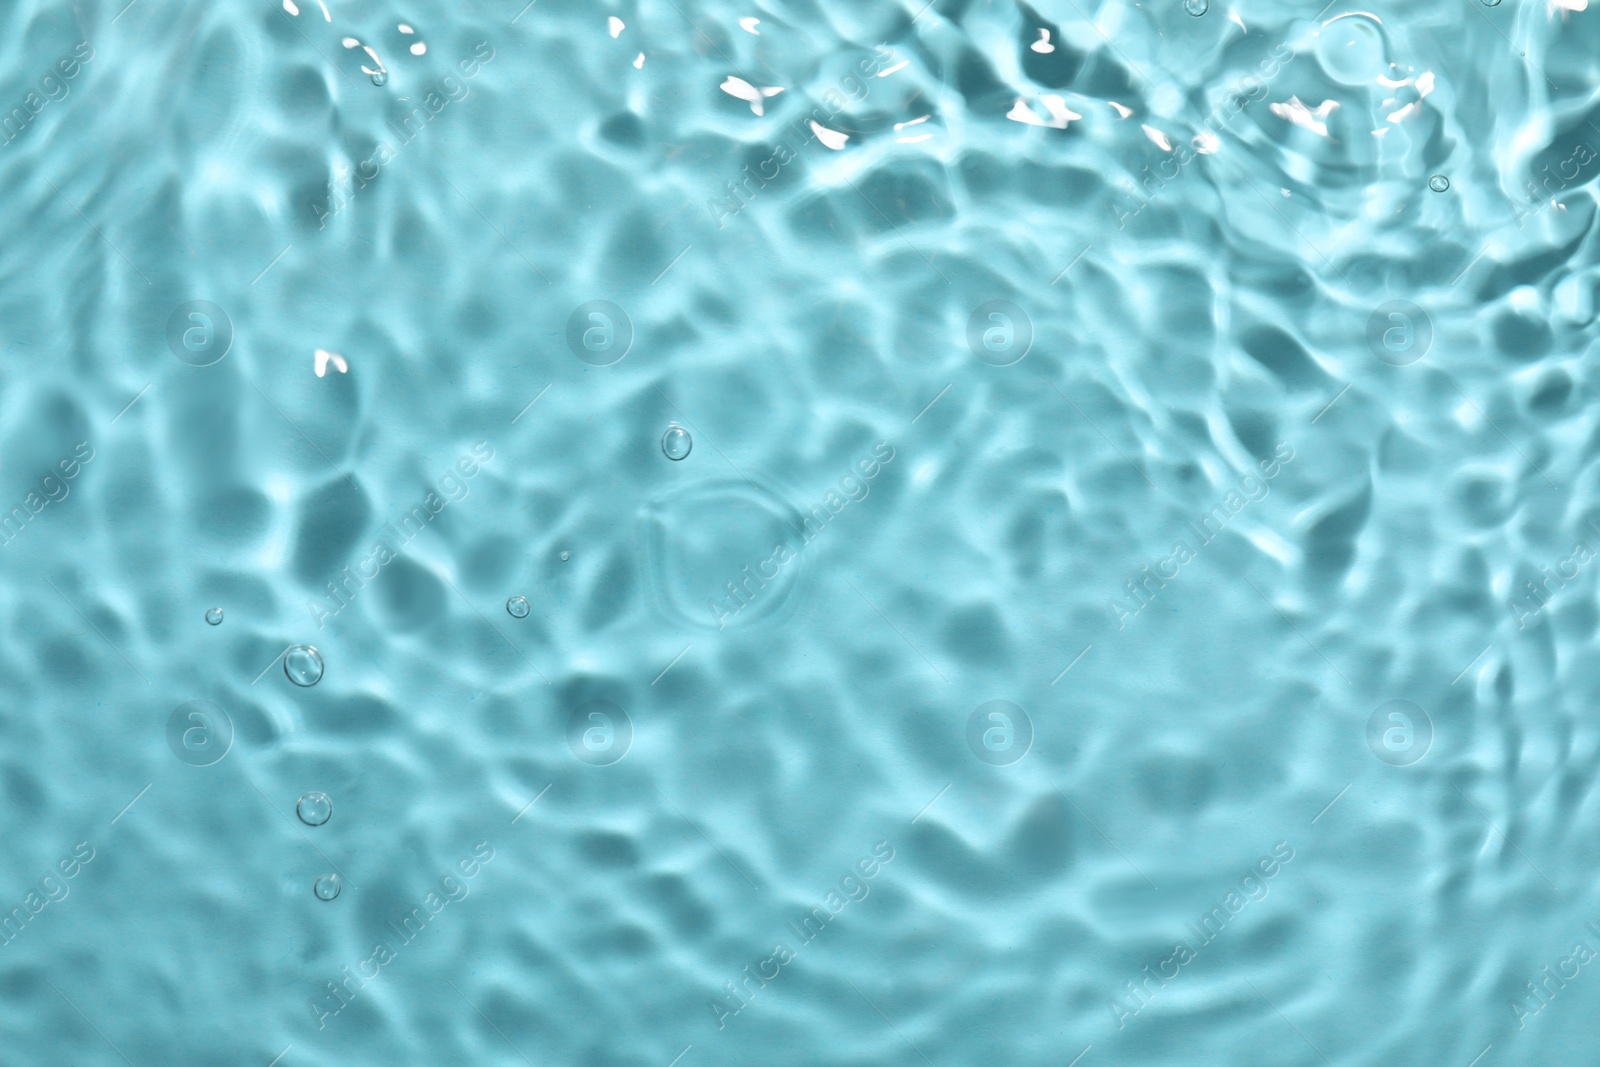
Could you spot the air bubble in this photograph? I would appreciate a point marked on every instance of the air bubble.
(517, 607)
(328, 886)
(314, 809)
(380, 78)
(214, 616)
(676, 443)
(565, 555)
(1195, 7)
(1438, 183)
(303, 665)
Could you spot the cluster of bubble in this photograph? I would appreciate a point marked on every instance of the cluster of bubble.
(303, 665)
(201, 719)
(315, 809)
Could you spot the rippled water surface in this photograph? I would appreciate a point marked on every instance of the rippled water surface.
(809, 532)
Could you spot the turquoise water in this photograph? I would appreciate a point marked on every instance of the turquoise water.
(812, 533)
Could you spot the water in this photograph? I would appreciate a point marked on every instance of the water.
(1130, 598)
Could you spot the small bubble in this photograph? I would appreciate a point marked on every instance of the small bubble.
(1195, 7)
(676, 443)
(314, 809)
(565, 555)
(303, 665)
(1491, 3)
(517, 607)
(214, 616)
(380, 78)
(328, 886)
(1438, 183)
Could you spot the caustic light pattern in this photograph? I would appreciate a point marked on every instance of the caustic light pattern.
(688, 533)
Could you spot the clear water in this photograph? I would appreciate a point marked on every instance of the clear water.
(1123, 591)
